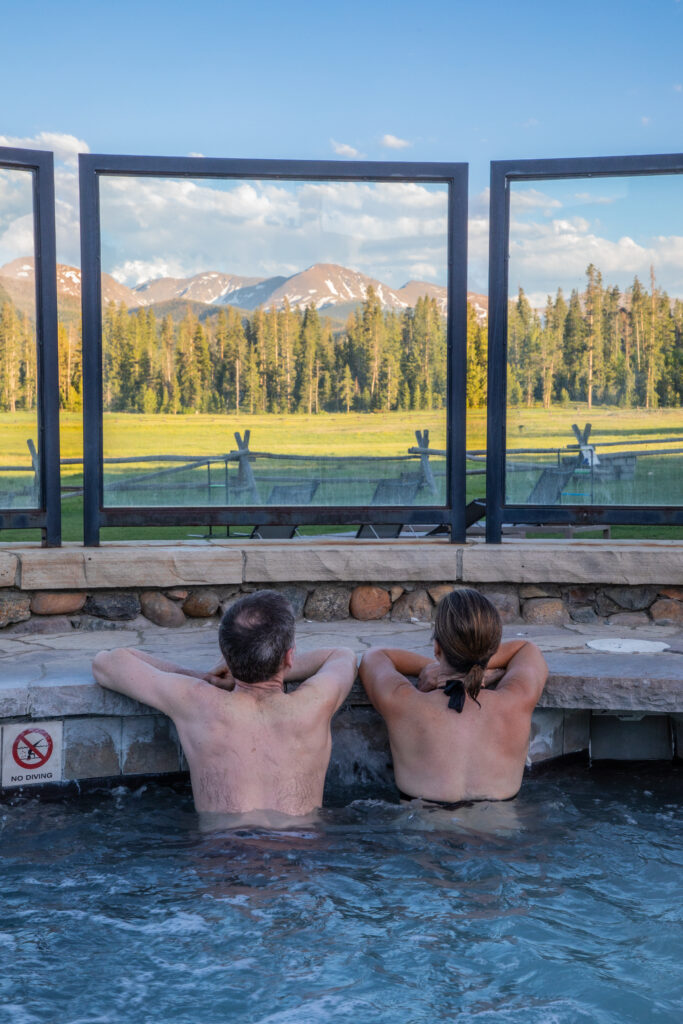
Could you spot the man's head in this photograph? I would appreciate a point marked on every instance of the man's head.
(255, 634)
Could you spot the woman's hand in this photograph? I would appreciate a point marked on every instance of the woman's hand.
(430, 677)
(492, 675)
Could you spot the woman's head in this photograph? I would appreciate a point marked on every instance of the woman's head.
(468, 630)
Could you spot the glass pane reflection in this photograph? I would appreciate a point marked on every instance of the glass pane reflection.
(312, 314)
(595, 342)
(19, 468)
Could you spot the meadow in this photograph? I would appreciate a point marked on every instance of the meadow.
(356, 435)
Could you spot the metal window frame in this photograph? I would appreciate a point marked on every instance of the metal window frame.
(503, 173)
(96, 515)
(47, 516)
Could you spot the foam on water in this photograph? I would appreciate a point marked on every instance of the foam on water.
(561, 906)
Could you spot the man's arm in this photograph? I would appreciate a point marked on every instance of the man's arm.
(331, 671)
(165, 666)
(525, 673)
(135, 675)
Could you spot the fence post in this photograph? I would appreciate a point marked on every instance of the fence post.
(36, 470)
(422, 437)
(245, 473)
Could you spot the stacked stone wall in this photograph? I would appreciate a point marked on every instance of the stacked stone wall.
(407, 601)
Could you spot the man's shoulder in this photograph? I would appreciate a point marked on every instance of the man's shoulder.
(313, 692)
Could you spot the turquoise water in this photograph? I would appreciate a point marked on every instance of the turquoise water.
(561, 906)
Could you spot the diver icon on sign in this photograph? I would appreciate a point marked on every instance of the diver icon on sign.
(32, 748)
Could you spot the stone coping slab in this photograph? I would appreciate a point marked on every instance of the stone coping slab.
(49, 675)
(215, 562)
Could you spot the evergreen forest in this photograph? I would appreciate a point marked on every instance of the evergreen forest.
(602, 346)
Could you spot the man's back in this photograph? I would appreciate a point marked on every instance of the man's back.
(258, 750)
(440, 754)
(252, 746)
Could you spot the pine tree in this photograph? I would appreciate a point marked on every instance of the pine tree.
(573, 349)
(477, 354)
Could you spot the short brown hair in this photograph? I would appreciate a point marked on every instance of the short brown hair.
(255, 634)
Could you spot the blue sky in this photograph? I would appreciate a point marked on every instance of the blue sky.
(461, 80)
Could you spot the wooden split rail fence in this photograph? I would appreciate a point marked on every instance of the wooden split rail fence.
(289, 488)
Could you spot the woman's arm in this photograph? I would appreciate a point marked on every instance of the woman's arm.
(526, 670)
(408, 663)
(383, 673)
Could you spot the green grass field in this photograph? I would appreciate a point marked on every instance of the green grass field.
(658, 480)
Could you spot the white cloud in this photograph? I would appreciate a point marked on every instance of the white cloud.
(421, 271)
(531, 122)
(134, 272)
(16, 204)
(481, 201)
(261, 228)
(546, 256)
(17, 239)
(343, 149)
(645, 121)
(393, 142)
(200, 155)
(588, 197)
(65, 147)
(678, 87)
(531, 199)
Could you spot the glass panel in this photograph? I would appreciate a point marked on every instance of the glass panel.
(273, 343)
(595, 342)
(19, 467)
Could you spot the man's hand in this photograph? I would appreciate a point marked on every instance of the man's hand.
(220, 676)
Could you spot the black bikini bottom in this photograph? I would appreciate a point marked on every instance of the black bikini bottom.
(447, 805)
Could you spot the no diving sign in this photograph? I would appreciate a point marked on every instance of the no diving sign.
(31, 753)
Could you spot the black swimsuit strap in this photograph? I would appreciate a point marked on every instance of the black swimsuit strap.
(453, 805)
(455, 691)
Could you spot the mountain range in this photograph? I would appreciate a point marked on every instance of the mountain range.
(331, 288)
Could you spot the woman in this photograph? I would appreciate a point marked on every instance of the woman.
(455, 737)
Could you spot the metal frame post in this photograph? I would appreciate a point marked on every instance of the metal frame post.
(47, 517)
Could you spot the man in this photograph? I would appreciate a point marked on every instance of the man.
(249, 744)
(453, 738)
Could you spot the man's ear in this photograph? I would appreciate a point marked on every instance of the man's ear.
(288, 659)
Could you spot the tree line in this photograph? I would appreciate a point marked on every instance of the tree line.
(18, 359)
(275, 361)
(284, 361)
(602, 347)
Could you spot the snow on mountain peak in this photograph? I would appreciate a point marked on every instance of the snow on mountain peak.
(322, 285)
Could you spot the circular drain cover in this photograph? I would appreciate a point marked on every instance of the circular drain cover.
(622, 646)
